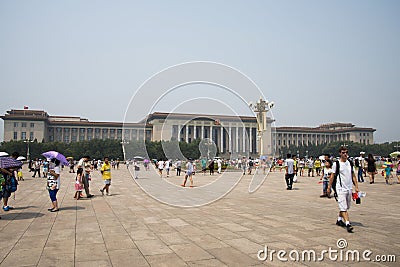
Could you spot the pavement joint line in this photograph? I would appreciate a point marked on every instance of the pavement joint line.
(52, 225)
(22, 235)
(119, 221)
(76, 224)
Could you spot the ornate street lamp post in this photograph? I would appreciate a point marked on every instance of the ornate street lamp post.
(123, 143)
(261, 108)
(27, 152)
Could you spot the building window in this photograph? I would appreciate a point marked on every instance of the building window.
(23, 135)
(23, 124)
(15, 135)
(15, 124)
(31, 136)
(363, 134)
(32, 125)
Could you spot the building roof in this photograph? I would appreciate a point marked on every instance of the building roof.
(188, 116)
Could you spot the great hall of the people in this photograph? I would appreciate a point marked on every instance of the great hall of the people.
(232, 134)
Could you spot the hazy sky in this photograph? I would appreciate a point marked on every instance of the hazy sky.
(320, 61)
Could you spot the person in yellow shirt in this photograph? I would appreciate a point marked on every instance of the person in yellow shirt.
(317, 165)
(106, 172)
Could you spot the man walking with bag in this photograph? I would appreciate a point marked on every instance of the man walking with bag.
(344, 180)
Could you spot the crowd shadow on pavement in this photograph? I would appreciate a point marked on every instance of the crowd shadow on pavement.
(72, 208)
(24, 207)
(21, 216)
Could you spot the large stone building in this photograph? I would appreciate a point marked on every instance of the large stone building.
(231, 134)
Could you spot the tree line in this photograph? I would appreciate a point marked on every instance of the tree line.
(98, 149)
(332, 148)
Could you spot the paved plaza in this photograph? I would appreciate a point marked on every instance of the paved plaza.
(130, 228)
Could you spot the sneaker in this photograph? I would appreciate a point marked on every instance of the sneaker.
(349, 228)
(102, 191)
(182, 185)
(323, 195)
(108, 194)
(6, 208)
(340, 223)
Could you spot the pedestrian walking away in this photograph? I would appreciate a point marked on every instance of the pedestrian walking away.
(371, 168)
(289, 171)
(178, 165)
(189, 173)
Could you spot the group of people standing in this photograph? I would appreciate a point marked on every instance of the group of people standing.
(340, 176)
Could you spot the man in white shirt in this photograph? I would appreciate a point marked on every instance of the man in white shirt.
(344, 186)
(160, 167)
(289, 171)
(219, 163)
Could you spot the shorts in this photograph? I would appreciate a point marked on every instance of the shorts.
(6, 193)
(53, 194)
(107, 181)
(344, 200)
(188, 173)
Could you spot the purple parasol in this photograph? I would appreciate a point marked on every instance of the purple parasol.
(7, 162)
(56, 155)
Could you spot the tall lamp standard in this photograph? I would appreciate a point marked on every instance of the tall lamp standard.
(123, 143)
(27, 152)
(261, 108)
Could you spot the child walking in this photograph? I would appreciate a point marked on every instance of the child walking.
(78, 184)
(106, 172)
(326, 173)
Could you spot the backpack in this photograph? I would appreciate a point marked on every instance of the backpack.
(357, 163)
(337, 176)
(12, 184)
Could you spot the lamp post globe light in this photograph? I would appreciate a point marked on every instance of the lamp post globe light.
(261, 108)
(123, 143)
(27, 151)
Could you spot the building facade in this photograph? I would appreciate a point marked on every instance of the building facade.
(231, 134)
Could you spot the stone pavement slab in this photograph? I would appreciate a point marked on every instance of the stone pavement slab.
(130, 228)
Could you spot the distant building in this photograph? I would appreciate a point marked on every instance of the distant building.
(231, 134)
(325, 133)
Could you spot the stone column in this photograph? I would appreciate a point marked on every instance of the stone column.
(230, 139)
(187, 133)
(251, 140)
(237, 139)
(221, 140)
(244, 138)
